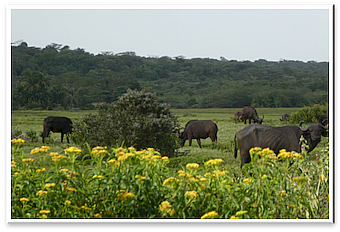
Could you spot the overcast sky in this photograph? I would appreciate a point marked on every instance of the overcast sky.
(240, 34)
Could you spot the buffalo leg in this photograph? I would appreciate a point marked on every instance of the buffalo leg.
(190, 141)
(44, 135)
(68, 141)
(199, 142)
(62, 137)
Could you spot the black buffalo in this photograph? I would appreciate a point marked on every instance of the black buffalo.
(284, 116)
(61, 125)
(250, 113)
(199, 129)
(277, 138)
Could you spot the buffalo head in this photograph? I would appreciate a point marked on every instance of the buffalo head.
(313, 133)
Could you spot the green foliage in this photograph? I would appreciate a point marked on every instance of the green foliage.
(127, 183)
(78, 79)
(309, 114)
(135, 119)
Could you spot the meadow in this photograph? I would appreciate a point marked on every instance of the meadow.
(143, 184)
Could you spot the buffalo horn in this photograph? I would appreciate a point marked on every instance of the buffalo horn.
(300, 125)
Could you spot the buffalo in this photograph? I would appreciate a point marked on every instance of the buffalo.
(198, 129)
(284, 116)
(277, 138)
(61, 125)
(250, 113)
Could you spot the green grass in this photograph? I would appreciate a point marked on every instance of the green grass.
(25, 121)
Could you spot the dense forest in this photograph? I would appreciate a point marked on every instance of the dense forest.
(57, 77)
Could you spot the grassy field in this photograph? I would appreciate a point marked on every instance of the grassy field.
(25, 122)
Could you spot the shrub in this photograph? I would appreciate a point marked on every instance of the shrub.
(309, 114)
(135, 119)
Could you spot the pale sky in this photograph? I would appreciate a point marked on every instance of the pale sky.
(235, 34)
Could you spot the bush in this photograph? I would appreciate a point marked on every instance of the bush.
(309, 114)
(135, 119)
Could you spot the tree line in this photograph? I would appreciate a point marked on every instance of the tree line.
(57, 77)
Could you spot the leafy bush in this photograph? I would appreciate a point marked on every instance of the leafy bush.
(309, 114)
(138, 184)
(135, 119)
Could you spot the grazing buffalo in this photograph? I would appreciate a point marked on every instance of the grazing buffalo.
(61, 125)
(237, 116)
(277, 138)
(284, 116)
(249, 113)
(199, 129)
(323, 119)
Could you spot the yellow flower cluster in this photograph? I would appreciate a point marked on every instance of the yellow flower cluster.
(124, 156)
(19, 140)
(170, 181)
(254, 149)
(48, 185)
(191, 193)
(28, 160)
(56, 157)
(114, 162)
(248, 181)
(40, 170)
(24, 199)
(214, 162)
(97, 176)
(43, 149)
(13, 164)
(283, 193)
(44, 211)
(211, 214)
(41, 192)
(122, 194)
(299, 178)
(165, 205)
(140, 178)
(234, 217)
(220, 173)
(99, 150)
(192, 166)
(72, 150)
(289, 155)
(71, 189)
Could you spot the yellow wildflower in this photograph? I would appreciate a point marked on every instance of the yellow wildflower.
(234, 217)
(40, 170)
(72, 150)
(97, 215)
(19, 140)
(164, 205)
(239, 213)
(24, 199)
(67, 202)
(41, 192)
(114, 162)
(171, 212)
(28, 160)
(44, 211)
(141, 178)
(247, 180)
(321, 177)
(35, 151)
(170, 181)
(98, 176)
(48, 185)
(191, 193)
(71, 189)
(122, 194)
(300, 178)
(214, 162)
(211, 214)
(192, 166)
(44, 216)
(283, 193)
(54, 154)
(165, 158)
(64, 170)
